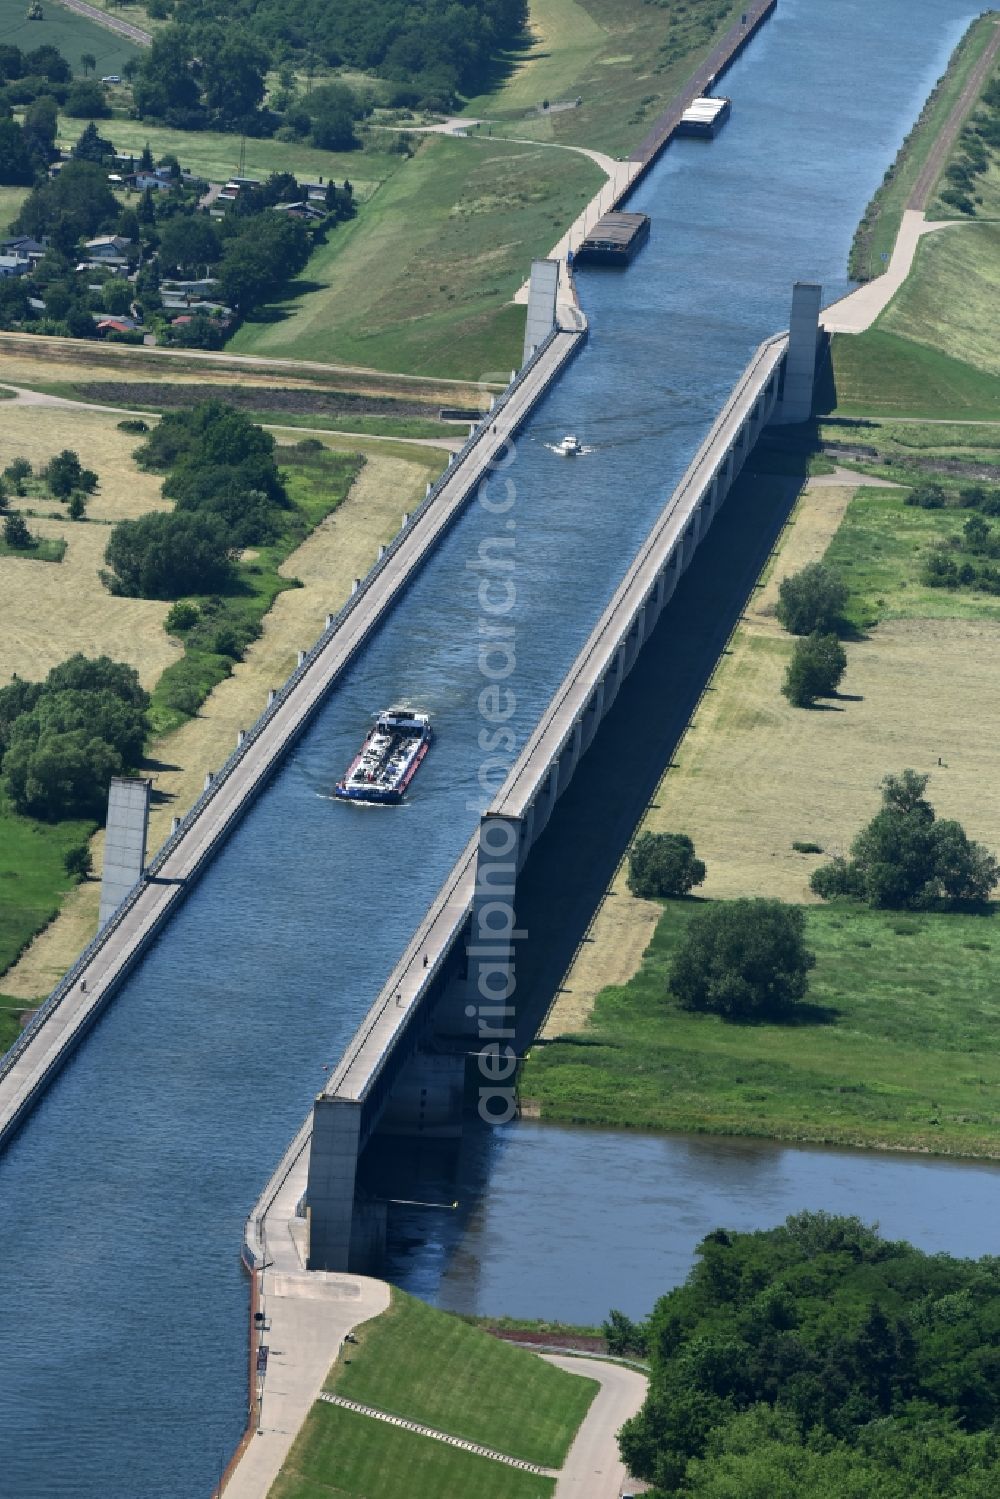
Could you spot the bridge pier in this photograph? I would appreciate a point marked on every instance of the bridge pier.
(333, 1169)
(800, 364)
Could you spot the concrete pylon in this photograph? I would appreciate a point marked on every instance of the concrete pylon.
(124, 842)
(543, 289)
(800, 362)
(333, 1166)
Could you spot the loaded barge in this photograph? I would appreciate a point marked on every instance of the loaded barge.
(388, 760)
(614, 240)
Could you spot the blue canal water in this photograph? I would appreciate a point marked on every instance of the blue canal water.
(124, 1197)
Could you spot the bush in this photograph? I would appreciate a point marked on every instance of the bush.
(133, 425)
(16, 533)
(818, 663)
(812, 601)
(77, 507)
(663, 864)
(807, 848)
(744, 960)
(78, 862)
(181, 616)
(927, 497)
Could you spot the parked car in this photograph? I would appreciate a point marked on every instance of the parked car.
(111, 78)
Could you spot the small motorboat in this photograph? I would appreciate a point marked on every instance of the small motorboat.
(569, 446)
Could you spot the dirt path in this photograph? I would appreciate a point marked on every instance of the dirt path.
(940, 151)
(110, 23)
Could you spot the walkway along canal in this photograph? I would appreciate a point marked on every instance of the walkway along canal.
(125, 1195)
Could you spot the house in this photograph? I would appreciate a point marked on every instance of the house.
(309, 213)
(315, 192)
(117, 325)
(158, 179)
(23, 244)
(13, 265)
(108, 249)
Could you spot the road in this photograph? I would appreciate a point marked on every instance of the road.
(941, 150)
(110, 23)
(594, 1469)
(856, 313)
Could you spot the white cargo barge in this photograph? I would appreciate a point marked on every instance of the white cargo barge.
(388, 760)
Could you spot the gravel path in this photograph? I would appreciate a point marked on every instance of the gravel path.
(110, 23)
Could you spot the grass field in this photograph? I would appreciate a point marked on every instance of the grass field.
(11, 199)
(419, 281)
(73, 34)
(623, 59)
(948, 302)
(216, 156)
(417, 1362)
(339, 1454)
(898, 1053)
(879, 228)
(342, 547)
(878, 373)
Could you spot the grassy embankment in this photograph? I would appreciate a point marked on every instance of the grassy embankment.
(433, 1368)
(898, 1059)
(422, 279)
(876, 235)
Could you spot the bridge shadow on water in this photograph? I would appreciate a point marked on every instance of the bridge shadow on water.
(574, 862)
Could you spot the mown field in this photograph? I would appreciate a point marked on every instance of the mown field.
(433, 1368)
(880, 374)
(420, 281)
(949, 302)
(897, 1051)
(73, 34)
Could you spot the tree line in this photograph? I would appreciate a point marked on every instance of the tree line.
(819, 1360)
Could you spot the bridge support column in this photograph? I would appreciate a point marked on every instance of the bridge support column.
(634, 640)
(125, 841)
(800, 362)
(570, 757)
(592, 717)
(333, 1166)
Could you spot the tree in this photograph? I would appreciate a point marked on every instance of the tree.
(166, 85)
(906, 859)
(16, 169)
(47, 62)
(86, 100)
(333, 110)
(168, 555)
(92, 146)
(65, 473)
(16, 533)
(744, 959)
(663, 864)
(60, 775)
(812, 600)
(77, 507)
(818, 663)
(234, 79)
(189, 242)
(73, 206)
(88, 62)
(41, 120)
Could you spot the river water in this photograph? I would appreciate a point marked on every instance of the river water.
(123, 1198)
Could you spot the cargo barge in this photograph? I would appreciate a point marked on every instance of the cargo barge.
(705, 117)
(388, 760)
(614, 240)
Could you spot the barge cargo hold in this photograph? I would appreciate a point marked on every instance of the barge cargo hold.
(388, 760)
(705, 117)
(614, 240)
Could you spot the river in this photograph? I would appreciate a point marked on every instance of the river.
(124, 1196)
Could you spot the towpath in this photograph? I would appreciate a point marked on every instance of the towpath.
(857, 312)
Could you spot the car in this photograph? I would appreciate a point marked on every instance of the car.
(111, 78)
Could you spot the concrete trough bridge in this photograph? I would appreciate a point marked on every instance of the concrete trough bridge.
(445, 1002)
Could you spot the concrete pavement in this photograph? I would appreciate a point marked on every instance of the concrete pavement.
(856, 313)
(307, 1316)
(593, 1468)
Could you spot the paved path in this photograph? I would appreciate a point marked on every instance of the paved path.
(110, 23)
(941, 150)
(309, 1314)
(593, 1468)
(856, 312)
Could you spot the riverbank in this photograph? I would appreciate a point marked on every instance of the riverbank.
(894, 1053)
(910, 179)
